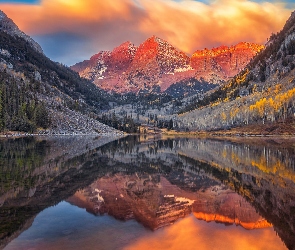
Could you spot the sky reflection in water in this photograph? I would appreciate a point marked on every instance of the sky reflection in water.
(68, 227)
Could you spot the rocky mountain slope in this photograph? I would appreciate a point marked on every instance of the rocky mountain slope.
(37, 94)
(156, 66)
(262, 93)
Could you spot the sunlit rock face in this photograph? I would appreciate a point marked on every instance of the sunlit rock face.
(155, 65)
(222, 63)
(106, 69)
(155, 202)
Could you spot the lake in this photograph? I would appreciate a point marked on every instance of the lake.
(145, 192)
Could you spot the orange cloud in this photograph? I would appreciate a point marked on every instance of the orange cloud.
(190, 24)
(63, 15)
(186, 24)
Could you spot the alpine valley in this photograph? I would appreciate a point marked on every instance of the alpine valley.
(151, 87)
(145, 147)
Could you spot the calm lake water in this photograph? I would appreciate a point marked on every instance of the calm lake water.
(146, 193)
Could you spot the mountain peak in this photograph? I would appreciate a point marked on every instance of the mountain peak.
(9, 27)
(122, 56)
(126, 47)
(156, 64)
(292, 16)
(2, 14)
(126, 44)
(156, 40)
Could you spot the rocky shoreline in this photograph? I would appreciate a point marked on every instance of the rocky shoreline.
(45, 134)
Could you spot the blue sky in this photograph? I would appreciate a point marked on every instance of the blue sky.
(288, 2)
(21, 1)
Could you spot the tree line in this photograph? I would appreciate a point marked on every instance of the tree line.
(126, 124)
(20, 110)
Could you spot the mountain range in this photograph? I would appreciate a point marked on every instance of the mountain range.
(152, 84)
(155, 66)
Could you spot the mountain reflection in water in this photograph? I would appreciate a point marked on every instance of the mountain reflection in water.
(173, 186)
(155, 202)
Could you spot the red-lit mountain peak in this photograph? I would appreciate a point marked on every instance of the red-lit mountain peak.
(157, 54)
(122, 56)
(146, 53)
(156, 65)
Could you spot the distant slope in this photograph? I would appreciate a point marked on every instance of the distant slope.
(189, 87)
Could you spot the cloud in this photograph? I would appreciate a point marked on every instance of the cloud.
(76, 15)
(191, 25)
(102, 25)
(81, 28)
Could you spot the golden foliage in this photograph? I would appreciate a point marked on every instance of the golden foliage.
(234, 112)
(223, 116)
(266, 106)
(242, 78)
